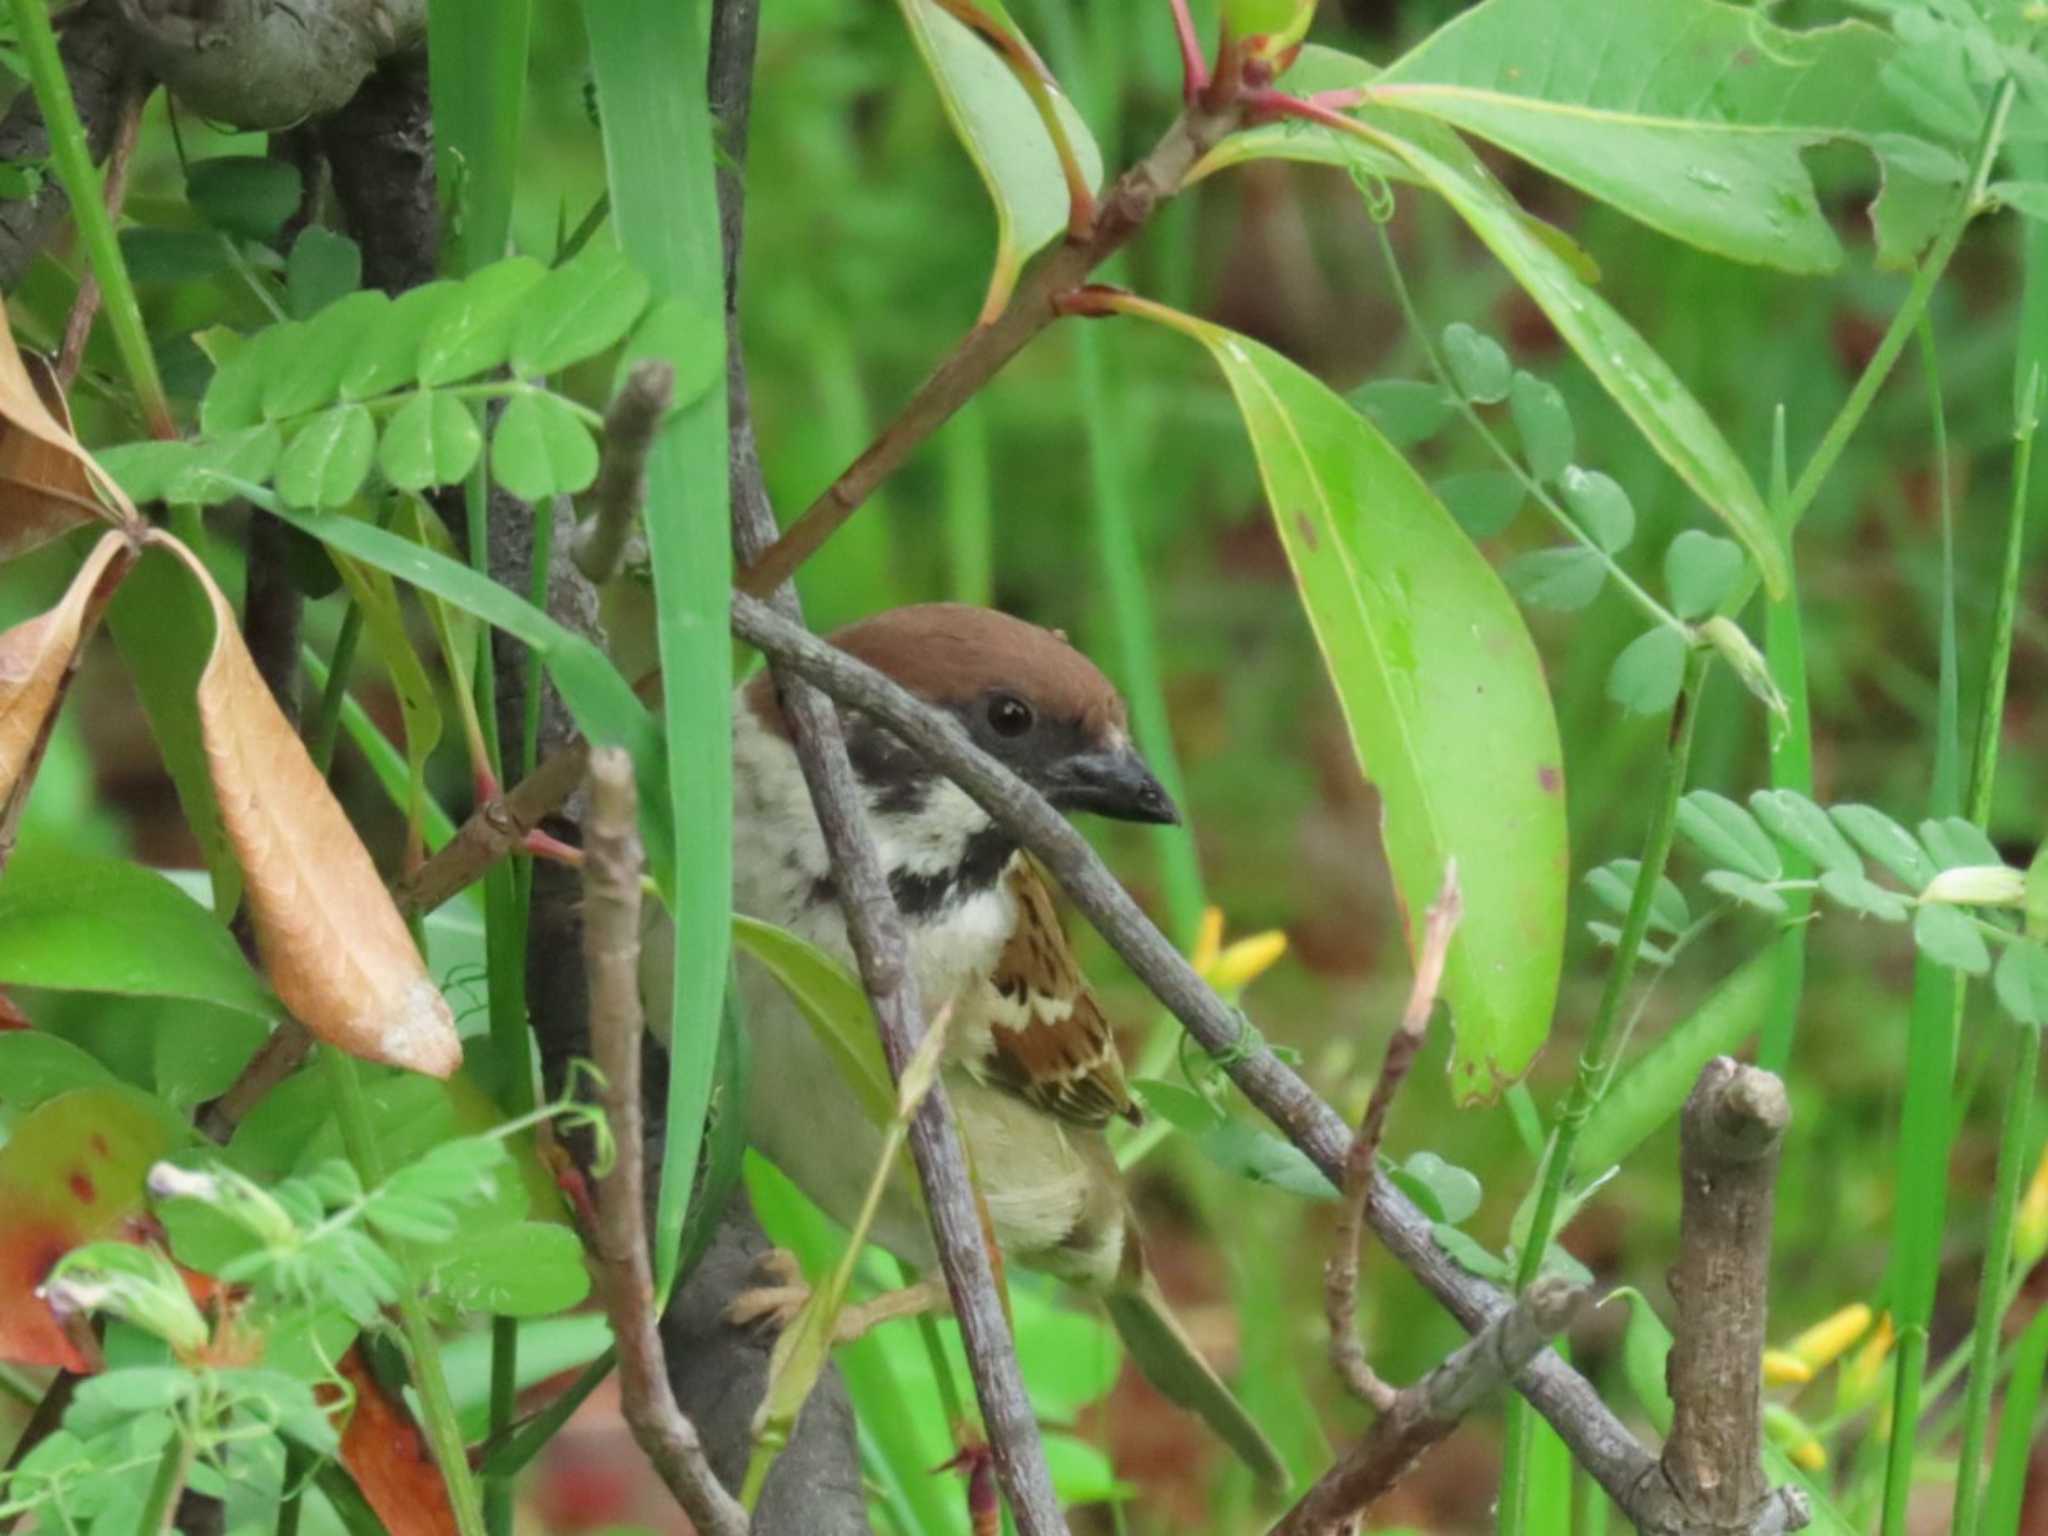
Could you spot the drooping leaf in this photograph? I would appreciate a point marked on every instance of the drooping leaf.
(70, 1172)
(333, 944)
(1003, 135)
(48, 484)
(36, 661)
(1442, 691)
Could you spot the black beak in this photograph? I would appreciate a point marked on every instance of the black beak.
(1114, 783)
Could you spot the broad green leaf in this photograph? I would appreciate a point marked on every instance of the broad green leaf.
(1628, 368)
(1714, 102)
(144, 470)
(472, 330)
(527, 1269)
(577, 311)
(1601, 506)
(1545, 422)
(326, 462)
(387, 355)
(234, 396)
(322, 267)
(1727, 834)
(36, 1065)
(1887, 842)
(1565, 579)
(251, 453)
(432, 439)
(1792, 818)
(308, 376)
(1441, 688)
(1478, 364)
(602, 701)
(57, 910)
(1003, 135)
(1948, 937)
(1699, 568)
(832, 1002)
(246, 195)
(1649, 672)
(1483, 501)
(170, 256)
(539, 448)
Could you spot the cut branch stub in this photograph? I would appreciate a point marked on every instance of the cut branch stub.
(332, 943)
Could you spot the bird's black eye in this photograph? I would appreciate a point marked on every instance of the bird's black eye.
(1009, 715)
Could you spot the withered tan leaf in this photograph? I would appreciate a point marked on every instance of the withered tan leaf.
(332, 942)
(36, 659)
(48, 483)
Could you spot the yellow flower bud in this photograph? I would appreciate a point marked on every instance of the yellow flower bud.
(1208, 942)
(1862, 1375)
(1822, 1344)
(1782, 1368)
(1789, 1432)
(1810, 1457)
(1245, 961)
(2030, 1226)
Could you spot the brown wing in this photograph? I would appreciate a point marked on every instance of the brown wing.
(1049, 1041)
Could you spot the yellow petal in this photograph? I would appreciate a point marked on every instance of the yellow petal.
(1860, 1377)
(1810, 1457)
(1209, 942)
(2030, 1229)
(1822, 1344)
(1782, 1368)
(1247, 960)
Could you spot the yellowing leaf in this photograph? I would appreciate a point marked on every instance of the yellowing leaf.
(48, 484)
(332, 942)
(36, 659)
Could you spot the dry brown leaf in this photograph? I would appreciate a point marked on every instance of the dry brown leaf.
(48, 484)
(332, 943)
(384, 1451)
(36, 657)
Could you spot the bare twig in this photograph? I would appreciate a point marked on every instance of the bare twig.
(1712, 1469)
(978, 355)
(78, 325)
(276, 1059)
(494, 829)
(1340, 1275)
(1600, 1441)
(1421, 1415)
(611, 947)
(614, 500)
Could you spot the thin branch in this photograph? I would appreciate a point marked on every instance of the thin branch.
(1712, 1468)
(1421, 1415)
(1599, 1440)
(615, 498)
(494, 829)
(611, 947)
(288, 1049)
(1340, 1275)
(978, 355)
(78, 325)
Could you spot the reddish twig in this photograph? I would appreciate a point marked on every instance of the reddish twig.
(1340, 1274)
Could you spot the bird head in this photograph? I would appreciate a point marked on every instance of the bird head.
(1025, 696)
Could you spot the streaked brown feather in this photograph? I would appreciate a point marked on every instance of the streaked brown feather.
(1063, 1058)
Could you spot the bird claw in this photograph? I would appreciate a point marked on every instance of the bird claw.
(776, 1302)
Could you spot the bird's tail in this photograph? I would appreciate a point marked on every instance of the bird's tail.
(1169, 1360)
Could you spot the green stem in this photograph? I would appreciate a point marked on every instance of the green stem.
(533, 1436)
(963, 450)
(165, 1487)
(504, 1399)
(429, 1375)
(1791, 767)
(298, 1472)
(1596, 1057)
(73, 159)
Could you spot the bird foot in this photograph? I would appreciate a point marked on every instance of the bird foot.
(775, 1305)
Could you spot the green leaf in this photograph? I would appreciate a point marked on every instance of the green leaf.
(1182, 1108)
(1793, 819)
(1469, 1254)
(1453, 1191)
(1751, 893)
(1484, 501)
(432, 439)
(1545, 422)
(249, 454)
(246, 195)
(540, 448)
(35, 1066)
(1645, 1357)
(1263, 1158)
(1601, 506)
(1001, 130)
(308, 376)
(2026, 198)
(1715, 104)
(1891, 845)
(1615, 885)
(2021, 982)
(387, 355)
(327, 461)
(2037, 894)
(832, 1002)
(173, 255)
(377, 596)
(1649, 671)
(144, 469)
(1478, 364)
(1699, 569)
(527, 1269)
(1405, 410)
(1566, 579)
(1727, 834)
(57, 910)
(1956, 843)
(472, 330)
(322, 267)
(1442, 691)
(234, 396)
(577, 311)
(1862, 895)
(1949, 938)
